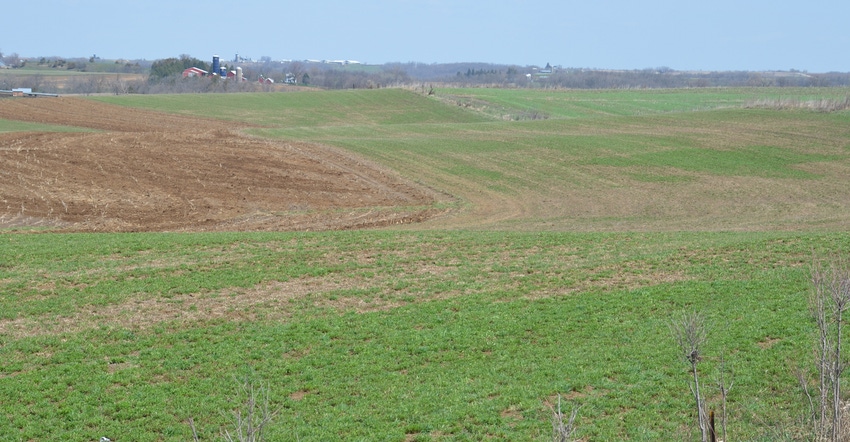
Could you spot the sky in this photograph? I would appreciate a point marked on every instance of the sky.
(718, 35)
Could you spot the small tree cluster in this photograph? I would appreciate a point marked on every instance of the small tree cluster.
(175, 66)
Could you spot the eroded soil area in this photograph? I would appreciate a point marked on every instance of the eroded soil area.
(139, 170)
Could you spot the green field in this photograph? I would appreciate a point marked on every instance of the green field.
(45, 70)
(577, 239)
(21, 126)
(604, 160)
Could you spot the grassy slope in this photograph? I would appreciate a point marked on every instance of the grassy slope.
(435, 334)
(605, 160)
(462, 335)
(100, 68)
(623, 161)
(306, 109)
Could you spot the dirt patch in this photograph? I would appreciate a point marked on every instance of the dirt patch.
(298, 395)
(147, 171)
(768, 342)
(511, 413)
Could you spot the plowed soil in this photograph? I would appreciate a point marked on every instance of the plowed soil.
(140, 170)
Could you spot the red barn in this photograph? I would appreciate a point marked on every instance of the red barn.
(194, 72)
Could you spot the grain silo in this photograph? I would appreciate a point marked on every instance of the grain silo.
(216, 67)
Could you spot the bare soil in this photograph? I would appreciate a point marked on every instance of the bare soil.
(140, 170)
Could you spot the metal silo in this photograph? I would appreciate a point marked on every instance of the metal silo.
(216, 67)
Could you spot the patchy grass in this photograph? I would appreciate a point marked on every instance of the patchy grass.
(756, 161)
(305, 108)
(458, 335)
(604, 160)
(21, 126)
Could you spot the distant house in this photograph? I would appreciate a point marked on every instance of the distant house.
(194, 72)
(290, 78)
(264, 80)
(3, 65)
(545, 72)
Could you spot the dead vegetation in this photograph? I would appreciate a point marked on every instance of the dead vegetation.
(817, 105)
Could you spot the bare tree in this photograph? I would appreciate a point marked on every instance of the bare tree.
(829, 299)
(723, 385)
(297, 69)
(690, 334)
(13, 60)
(254, 413)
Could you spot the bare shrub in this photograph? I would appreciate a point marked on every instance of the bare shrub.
(253, 414)
(531, 114)
(563, 431)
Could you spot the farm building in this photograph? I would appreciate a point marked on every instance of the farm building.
(236, 75)
(25, 92)
(194, 72)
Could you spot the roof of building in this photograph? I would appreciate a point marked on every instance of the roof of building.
(194, 70)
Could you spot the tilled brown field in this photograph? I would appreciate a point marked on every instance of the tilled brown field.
(147, 171)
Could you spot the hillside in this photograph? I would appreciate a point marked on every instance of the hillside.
(136, 170)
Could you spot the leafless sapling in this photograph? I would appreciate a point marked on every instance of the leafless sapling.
(690, 334)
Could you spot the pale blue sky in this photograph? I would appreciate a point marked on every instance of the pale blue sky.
(611, 34)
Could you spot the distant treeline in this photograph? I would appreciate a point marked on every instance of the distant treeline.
(482, 74)
(165, 76)
(474, 74)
